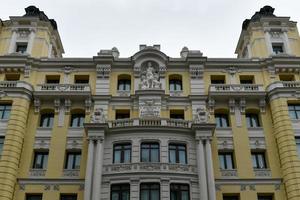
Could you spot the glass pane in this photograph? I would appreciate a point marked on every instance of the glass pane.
(182, 158)
(77, 161)
(145, 155)
(298, 114)
(261, 161)
(254, 161)
(6, 114)
(229, 161)
(38, 161)
(155, 155)
(184, 195)
(172, 155)
(127, 88)
(173, 195)
(172, 87)
(248, 119)
(155, 195)
(45, 161)
(115, 196)
(70, 161)
(125, 195)
(298, 149)
(293, 114)
(117, 157)
(127, 156)
(222, 161)
(145, 195)
(224, 121)
(50, 122)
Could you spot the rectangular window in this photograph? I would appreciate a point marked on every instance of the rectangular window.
(77, 120)
(81, 79)
(177, 114)
(12, 77)
(217, 79)
(34, 196)
(149, 152)
(122, 153)
(5, 111)
(124, 84)
(73, 160)
(149, 191)
(68, 197)
(259, 160)
(264, 197)
(175, 85)
(277, 48)
(222, 120)
(120, 192)
(1, 145)
(247, 79)
(177, 153)
(122, 114)
(46, 120)
(297, 143)
(226, 160)
(40, 160)
(252, 120)
(294, 111)
(231, 197)
(179, 191)
(21, 47)
(286, 77)
(52, 79)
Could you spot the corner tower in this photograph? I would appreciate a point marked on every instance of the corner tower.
(32, 34)
(267, 35)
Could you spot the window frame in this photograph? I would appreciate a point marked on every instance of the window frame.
(149, 185)
(49, 116)
(123, 84)
(2, 139)
(74, 160)
(44, 159)
(295, 110)
(231, 197)
(265, 197)
(22, 45)
(179, 190)
(219, 119)
(276, 45)
(68, 197)
(224, 155)
(122, 152)
(256, 155)
(150, 148)
(175, 85)
(28, 196)
(253, 120)
(5, 111)
(80, 117)
(120, 191)
(177, 153)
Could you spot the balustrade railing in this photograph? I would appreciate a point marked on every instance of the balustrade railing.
(64, 87)
(236, 88)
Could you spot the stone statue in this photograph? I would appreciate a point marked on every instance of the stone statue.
(150, 79)
(98, 116)
(202, 115)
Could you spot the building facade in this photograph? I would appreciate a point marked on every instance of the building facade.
(149, 126)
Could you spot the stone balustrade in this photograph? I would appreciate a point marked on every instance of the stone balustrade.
(64, 87)
(236, 88)
(283, 84)
(15, 84)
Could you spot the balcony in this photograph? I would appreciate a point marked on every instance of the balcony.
(236, 90)
(155, 122)
(70, 90)
(284, 89)
(15, 87)
(149, 167)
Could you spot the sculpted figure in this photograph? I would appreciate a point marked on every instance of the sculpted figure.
(98, 116)
(202, 115)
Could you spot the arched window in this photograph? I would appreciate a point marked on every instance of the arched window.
(77, 118)
(46, 119)
(124, 82)
(175, 82)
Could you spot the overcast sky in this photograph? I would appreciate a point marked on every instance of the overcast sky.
(212, 26)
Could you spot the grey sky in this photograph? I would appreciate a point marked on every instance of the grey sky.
(212, 26)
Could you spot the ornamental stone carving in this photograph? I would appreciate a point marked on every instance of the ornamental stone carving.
(103, 71)
(98, 116)
(150, 79)
(202, 115)
(150, 108)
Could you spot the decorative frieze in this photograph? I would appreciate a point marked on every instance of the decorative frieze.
(262, 172)
(37, 172)
(229, 173)
(196, 71)
(103, 70)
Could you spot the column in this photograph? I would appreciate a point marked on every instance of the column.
(286, 144)
(12, 44)
(249, 51)
(210, 171)
(268, 43)
(50, 50)
(12, 148)
(89, 171)
(98, 170)
(201, 170)
(286, 43)
(30, 41)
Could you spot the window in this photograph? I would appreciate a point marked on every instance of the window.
(259, 160)
(12, 77)
(277, 48)
(1, 145)
(150, 191)
(77, 120)
(294, 111)
(73, 160)
(68, 197)
(124, 82)
(177, 153)
(217, 79)
(179, 192)
(175, 83)
(52, 79)
(122, 114)
(81, 79)
(21, 47)
(247, 79)
(177, 114)
(149, 152)
(5, 111)
(46, 120)
(252, 120)
(231, 197)
(297, 144)
(226, 160)
(286, 77)
(120, 192)
(34, 197)
(221, 120)
(264, 197)
(40, 160)
(122, 153)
